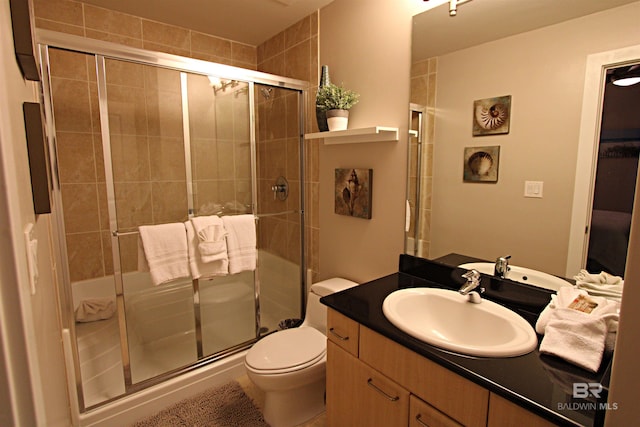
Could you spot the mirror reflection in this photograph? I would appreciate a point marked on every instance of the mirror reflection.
(528, 212)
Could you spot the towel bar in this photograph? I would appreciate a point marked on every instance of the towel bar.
(117, 233)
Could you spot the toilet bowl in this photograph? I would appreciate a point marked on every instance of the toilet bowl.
(289, 365)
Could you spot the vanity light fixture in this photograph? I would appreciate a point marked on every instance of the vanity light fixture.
(626, 76)
(453, 6)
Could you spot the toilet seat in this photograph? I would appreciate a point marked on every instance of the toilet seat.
(287, 351)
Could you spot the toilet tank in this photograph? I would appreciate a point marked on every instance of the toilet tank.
(316, 315)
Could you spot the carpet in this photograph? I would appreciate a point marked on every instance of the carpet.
(225, 406)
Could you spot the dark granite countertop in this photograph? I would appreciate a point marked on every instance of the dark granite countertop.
(540, 383)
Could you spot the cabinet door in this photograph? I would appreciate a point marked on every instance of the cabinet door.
(343, 331)
(459, 398)
(421, 414)
(504, 413)
(358, 395)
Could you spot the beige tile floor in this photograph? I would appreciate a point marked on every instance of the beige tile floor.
(258, 397)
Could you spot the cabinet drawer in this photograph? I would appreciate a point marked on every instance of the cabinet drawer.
(504, 413)
(343, 331)
(358, 395)
(422, 414)
(459, 398)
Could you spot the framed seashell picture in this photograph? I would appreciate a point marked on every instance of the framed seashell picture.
(353, 191)
(491, 116)
(481, 164)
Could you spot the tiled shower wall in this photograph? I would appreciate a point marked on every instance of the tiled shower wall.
(292, 53)
(423, 92)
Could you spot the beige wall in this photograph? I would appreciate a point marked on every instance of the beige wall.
(367, 47)
(625, 375)
(29, 322)
(543, 71)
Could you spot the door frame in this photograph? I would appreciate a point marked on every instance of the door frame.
(588, 143)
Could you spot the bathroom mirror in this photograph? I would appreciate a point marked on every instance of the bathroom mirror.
(535, 52)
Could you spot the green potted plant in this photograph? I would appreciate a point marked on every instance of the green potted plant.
(336, 101)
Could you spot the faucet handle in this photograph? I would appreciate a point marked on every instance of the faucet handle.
(502, 266)
(472, 275)
(504, 259)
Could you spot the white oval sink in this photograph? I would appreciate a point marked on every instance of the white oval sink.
(522, 275)
(445, 319)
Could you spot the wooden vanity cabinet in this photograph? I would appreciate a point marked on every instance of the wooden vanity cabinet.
(505, 413)
(374, 381)
(358, 395)
(343, 331)
(455, 396)
(422, 414)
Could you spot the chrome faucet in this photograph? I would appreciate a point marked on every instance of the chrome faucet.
(472, 286)
(502, 267)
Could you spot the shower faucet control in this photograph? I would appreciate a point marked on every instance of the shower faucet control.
(280, 189)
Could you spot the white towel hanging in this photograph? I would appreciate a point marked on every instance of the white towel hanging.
(241, 242)
(165, 248)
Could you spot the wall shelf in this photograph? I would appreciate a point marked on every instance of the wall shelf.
(349, 136)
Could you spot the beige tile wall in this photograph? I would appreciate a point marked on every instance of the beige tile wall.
(294, 53)
(145, 123)
(423, 92)
(74, 17)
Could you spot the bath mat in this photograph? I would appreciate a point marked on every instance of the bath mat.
(225, 406)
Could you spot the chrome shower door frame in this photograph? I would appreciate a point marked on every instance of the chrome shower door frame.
(106, 51)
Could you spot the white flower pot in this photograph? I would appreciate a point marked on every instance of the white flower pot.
(337, 119)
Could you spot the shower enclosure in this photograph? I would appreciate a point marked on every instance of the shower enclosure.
(141, 138)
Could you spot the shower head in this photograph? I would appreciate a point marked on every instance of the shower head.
(266, 92)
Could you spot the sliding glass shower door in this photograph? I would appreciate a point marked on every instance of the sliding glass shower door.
(180, 147)
(142, 138)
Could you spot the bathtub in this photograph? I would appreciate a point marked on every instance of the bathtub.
(161, 332)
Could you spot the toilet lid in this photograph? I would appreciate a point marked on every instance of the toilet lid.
(287, 350)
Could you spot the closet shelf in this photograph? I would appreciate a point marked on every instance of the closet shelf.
(349, 136)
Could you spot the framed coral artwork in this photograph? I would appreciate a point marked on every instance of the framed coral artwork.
(353, 191)
(491, 116)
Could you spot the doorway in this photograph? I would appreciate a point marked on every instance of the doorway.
(591, 123)
(616, 174)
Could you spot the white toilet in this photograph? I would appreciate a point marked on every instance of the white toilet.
(289, 365)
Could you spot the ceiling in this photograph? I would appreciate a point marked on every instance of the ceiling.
(480, 21)
(247, 21)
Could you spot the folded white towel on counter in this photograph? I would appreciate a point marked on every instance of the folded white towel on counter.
(200, 269)
(211, 233)
(241, 242)
(165, 249)
(93, 309)
(600, 284)
(575, 336)
(578, 327)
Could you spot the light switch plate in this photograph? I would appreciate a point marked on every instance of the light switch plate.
(533, 189)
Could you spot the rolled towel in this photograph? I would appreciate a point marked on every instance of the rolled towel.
(93, 309)
(211, 233)
(241, 242)
(165, 249)
(602, 278)
(198, 268)
(602, 284)
(576, 337)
